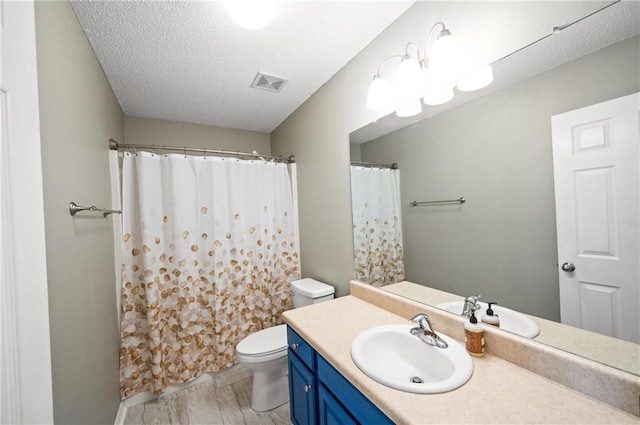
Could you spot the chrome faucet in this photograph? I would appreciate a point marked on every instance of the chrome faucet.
(425, 331)
(470, 305)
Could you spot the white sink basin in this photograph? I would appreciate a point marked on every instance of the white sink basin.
(510, 320)
(390, 355)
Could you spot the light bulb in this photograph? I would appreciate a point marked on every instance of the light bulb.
(379, 97)
(446, 61)
(409, 82)
(409, 108)
(438, 95)
(252, 14)
(477, 79)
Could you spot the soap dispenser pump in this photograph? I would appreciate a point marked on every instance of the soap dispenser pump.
(490, 317)
(474, 336)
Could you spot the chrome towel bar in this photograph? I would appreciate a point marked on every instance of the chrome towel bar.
(75, 208)
(460, 200)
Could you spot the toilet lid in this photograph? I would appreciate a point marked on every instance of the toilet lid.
(312, 288)
(264, 342)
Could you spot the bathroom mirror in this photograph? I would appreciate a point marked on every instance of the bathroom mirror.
(494, 149)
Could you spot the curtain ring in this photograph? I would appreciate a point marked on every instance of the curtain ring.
(185, 152)
(204, 153)
(164, 148)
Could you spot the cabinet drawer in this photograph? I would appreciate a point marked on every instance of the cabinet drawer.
(301, 348)
(363, 410)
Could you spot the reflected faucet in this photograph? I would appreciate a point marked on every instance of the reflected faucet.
(470, 305)
(425, 331)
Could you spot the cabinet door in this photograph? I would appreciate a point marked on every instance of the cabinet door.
(360, 407)
(302, 389)
(330, 411)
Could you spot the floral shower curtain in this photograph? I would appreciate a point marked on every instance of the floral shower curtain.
(377, 230)
(209, 254)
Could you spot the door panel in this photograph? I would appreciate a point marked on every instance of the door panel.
(595, 204)
(595, 155)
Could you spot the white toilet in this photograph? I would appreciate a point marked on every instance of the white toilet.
(265, 352)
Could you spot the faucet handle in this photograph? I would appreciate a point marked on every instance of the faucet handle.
(423, 321)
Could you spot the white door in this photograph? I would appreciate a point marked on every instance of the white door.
(596, 162)
(25, 353)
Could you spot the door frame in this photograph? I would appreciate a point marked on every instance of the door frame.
(25, 359)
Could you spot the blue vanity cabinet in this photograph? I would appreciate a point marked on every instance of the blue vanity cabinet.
(302, 389)
(331, 411)
(319, 394)
(302, 380)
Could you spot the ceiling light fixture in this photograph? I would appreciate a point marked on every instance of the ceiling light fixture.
(251, 14)
(431, 78)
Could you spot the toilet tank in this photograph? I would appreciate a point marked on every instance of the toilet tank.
(309, 291)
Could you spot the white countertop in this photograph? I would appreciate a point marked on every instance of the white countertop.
(498, 391)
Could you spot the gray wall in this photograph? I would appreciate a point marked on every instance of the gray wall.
(78, 115)
(355, 152)
(496, 151)
(317, 133)
(147, 131)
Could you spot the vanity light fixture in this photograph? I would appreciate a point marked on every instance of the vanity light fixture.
(251, 14)
(431, 78)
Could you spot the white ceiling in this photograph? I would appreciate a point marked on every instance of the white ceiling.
(188, 61)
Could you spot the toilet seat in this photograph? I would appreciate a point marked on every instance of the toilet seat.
(264, 343)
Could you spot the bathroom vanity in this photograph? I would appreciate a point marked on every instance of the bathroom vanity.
(327, 387)
(315, 388)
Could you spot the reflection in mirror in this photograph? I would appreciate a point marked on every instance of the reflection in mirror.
(377, 232)
(623, 355)
(497, 151)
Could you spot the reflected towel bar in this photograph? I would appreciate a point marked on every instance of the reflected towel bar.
(75, 208)
(460, 200)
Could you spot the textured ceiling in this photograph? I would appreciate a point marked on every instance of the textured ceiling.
(187, 61)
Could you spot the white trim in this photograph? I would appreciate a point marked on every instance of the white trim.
(22, 180)
(9, 380)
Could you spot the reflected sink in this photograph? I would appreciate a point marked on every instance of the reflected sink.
(510, 320)
(390, 355)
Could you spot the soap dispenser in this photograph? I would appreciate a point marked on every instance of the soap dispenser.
(490, 317)
(474, 336)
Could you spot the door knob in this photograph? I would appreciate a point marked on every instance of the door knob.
(568, 267)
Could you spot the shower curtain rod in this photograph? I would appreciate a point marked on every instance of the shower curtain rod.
(117, 146)
(393, 165)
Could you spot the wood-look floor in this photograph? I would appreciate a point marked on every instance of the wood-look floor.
(225, 400)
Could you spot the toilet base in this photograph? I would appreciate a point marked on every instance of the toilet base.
(270, 388)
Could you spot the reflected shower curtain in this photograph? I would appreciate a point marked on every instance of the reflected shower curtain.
(209, 255)
(377, 230)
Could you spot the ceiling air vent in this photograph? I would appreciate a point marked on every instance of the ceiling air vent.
(268, 82)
